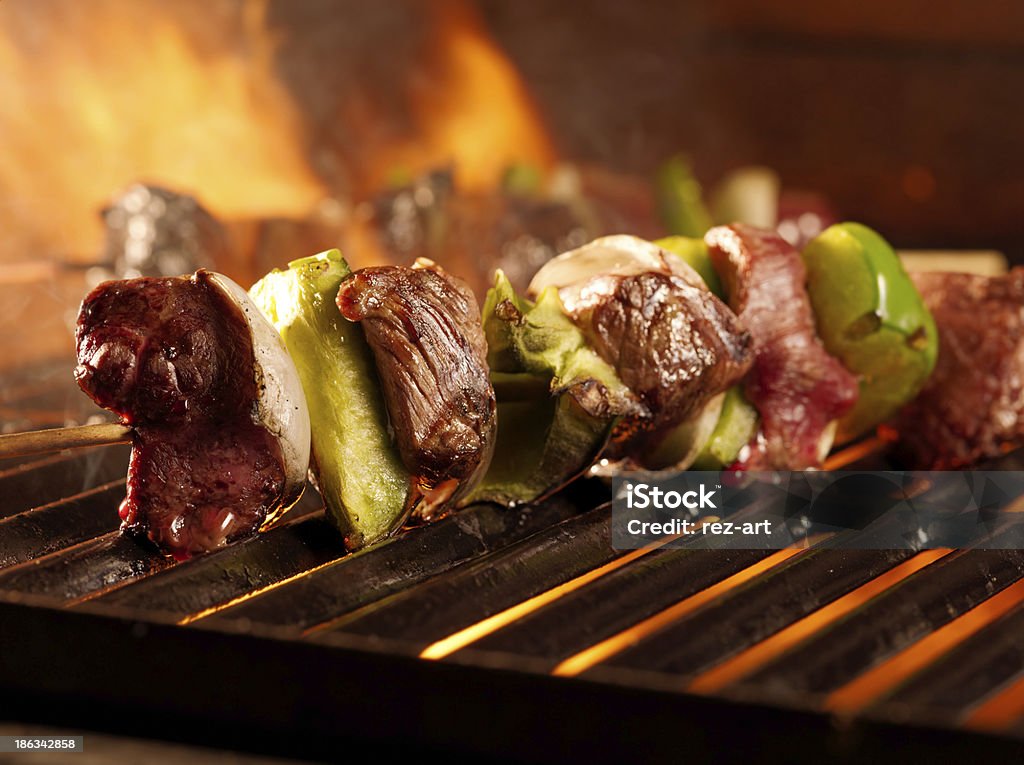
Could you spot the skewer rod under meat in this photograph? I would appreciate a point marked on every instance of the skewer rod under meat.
(55, 439)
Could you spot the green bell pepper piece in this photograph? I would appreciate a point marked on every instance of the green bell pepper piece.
(557, 399)
(736, 426)
(358, 470)
(870, 316)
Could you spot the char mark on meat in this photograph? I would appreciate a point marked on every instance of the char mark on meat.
(174, 358)
(972, 407)
(424, 329)
(675, 345)
(796, 386)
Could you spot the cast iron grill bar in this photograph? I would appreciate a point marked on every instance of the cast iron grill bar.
(33, 534)
(282, 553)
(376, 574)
(627, 606)
(585, 617)
(435, 609)
(289, 550)
(876, 685)
(756, 610)
(70, 575)
(443, 615)
(913, 608)
(372, 573)
(722, 633)
(107, 562)
(978, 668)
(399, 563)
(57, 477)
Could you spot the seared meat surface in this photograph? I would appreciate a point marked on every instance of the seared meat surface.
(424, 328)
(174, 358)
(973, 405)
(797, 387)
(673, 344)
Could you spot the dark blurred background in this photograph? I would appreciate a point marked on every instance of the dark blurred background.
(907, 114)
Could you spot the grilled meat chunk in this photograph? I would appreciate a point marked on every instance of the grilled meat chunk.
(651, 316)
(673, 344)
(972, 407)
(424, 329)
(174, 358)
(797, 387)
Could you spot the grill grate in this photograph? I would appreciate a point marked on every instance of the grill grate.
(747, 646)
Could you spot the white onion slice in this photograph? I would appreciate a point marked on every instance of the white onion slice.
(281, 405)
(587, 273)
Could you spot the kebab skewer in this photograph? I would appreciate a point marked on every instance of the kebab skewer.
(614, 312)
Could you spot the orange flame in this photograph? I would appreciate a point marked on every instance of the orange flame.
(97, 95)
(471, 109)
(94, 96)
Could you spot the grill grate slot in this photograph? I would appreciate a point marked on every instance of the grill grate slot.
(51, 479)
(765, 605)
(47, 529)
(894, 619)
(397, 564)
(616, 602)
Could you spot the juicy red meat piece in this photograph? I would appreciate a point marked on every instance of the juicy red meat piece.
(972, 407)
(797, 387)
(174, 358)
(424, 329)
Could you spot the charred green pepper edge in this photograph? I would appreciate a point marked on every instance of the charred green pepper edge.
(557, 399)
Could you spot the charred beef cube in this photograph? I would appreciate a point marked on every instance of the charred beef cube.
(675, 345)
(175, 358)
(797, 387)
(972, 407)
(425, 331)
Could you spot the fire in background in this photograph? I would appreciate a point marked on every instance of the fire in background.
(190, 95)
